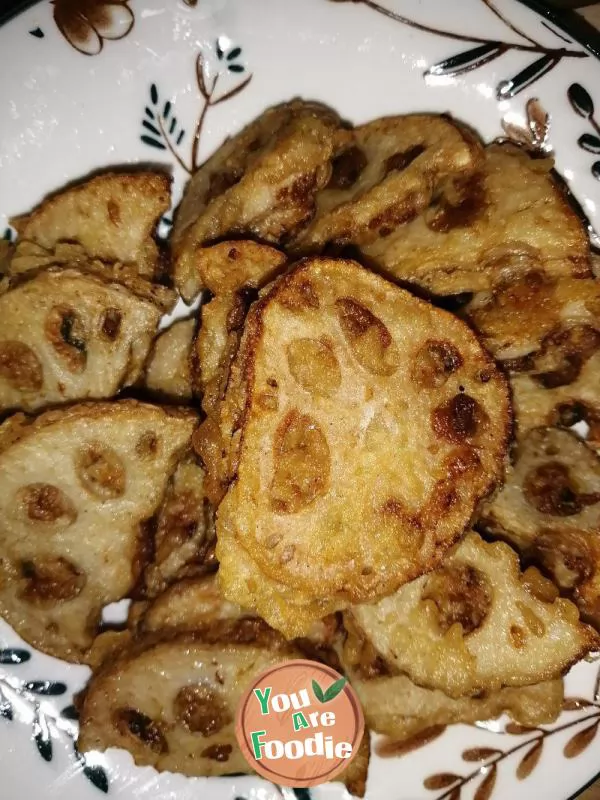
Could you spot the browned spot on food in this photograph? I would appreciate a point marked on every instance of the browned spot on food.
(114, 212)
(233, 254)
(300, 191)
(287, 554)
(347, 168)
(20, 366)
(300, 296)
(268, 401)
(551, 490)
(563, 354)
(518, 636)
(178, 523)
(67, 335)
(396, 215)
(217, 752)
(240, 304)
(566, 555)
(402, 159)
(111, 323)
(101, 471)
(51, 580)
(457, 419)
(219, 183)
(461, 594)
(44, 502)
(368, 338)
(130, 722)
(462, 461)
(201, 709)
(302, 463)
(147, 445)
(314, 366)
(462, 210)
(434, 362)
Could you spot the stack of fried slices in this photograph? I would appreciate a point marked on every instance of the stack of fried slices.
(323, 461)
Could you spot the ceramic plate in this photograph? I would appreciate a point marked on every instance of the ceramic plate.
(99, 82)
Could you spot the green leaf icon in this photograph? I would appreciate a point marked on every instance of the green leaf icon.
(318, 692)
(333, 691)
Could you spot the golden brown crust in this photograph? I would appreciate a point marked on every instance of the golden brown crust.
(389, 173)
(516, 219)
(549, 510)
(79, 485)
(306, 458)
(168, 370)
(112, 216)
(261, 182)
(68, 335)
(522, 633)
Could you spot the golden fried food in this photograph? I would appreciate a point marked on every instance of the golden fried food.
(67, 335)
(78, 488)
(370, 425)
(172, 703)
(549, 510)
(539, 324)
(168, 371)
(262, 182)
(476, 624)
(112, 216)
(389, 173)
(6, 253)
(550, 398)
(513, 218)
(184, 540)
(396, 706)
(233, 272)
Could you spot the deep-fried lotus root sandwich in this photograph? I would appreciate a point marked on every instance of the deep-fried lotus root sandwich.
(68, 335)
(549, 510)
(184, 537)
(388, 173)
(365, 426)
(476, 624)
(172, 702)
(233, 272)
(261, 182)
(112, 216)
(513, 215)
(168, 371)
(78, 489)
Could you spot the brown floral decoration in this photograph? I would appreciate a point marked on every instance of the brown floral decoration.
(85, 24)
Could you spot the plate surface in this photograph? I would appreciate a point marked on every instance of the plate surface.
(129, 81)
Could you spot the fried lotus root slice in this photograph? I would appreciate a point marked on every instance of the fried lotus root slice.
(538, 403)
(400, 709)
(172, 704)
(112, 216)
(476, 624)
(184, 540)
(549, 510)
(538, 324)
(260, 182)
(79, 487)
(168, 371)
(389, 172)
(515, 216)
(370, 426)
(67, 335)
(233, 272)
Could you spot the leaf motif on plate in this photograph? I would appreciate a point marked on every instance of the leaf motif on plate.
(582, 739)
(441, 780)
(486, 787)
(530, 760)
(47, 688)
(470, 59)
(580, 100)
(42, 736)
(537, 69)
(516, 729)
(596, 169)
(589, 142)
(480, 753)
(13, 655)
(575, 703)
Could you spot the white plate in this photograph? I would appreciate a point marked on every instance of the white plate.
(119, 84)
